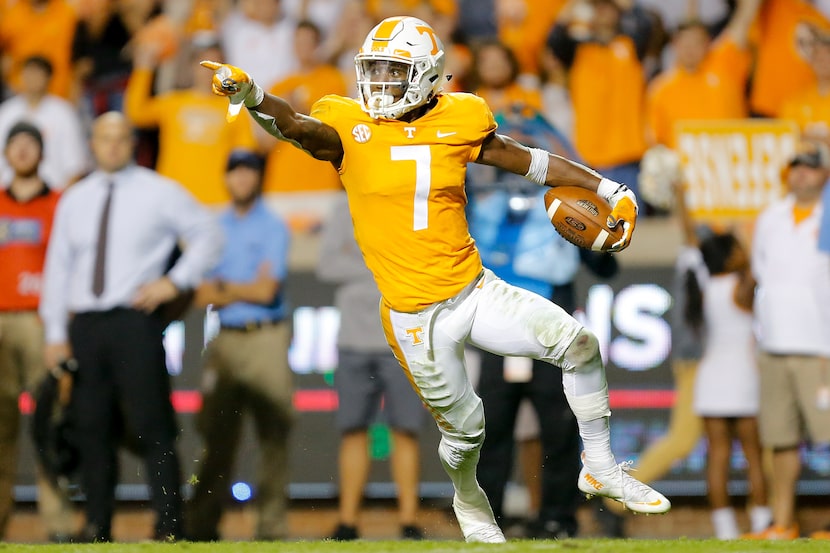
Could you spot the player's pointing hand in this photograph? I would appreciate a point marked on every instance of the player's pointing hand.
(235, 84)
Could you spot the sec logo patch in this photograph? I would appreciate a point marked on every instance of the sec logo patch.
(361, 133)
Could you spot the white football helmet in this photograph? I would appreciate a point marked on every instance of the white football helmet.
(399, 67)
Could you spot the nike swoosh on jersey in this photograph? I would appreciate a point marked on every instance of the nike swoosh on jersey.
(445, 134)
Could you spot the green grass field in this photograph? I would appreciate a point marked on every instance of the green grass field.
(516, 546)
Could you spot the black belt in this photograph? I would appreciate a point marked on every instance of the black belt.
(251, 325)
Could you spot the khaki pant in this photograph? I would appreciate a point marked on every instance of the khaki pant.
(684, 432)
(22, 368)
(790, 406)
(245, 371)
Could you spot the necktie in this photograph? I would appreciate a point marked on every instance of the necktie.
(101, 247)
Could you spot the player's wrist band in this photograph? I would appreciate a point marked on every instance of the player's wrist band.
(255, 96)
(538, 170)
(608, 188)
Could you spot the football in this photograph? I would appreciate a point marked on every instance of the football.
(579, 215)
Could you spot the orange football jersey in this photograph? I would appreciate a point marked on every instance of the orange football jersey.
(405, 183)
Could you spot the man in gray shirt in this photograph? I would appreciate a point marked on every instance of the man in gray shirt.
(367, 373)
(104, 281)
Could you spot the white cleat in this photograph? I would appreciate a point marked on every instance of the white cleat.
(617, 484)
(477, 521)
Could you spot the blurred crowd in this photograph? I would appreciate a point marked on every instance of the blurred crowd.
(602, 81)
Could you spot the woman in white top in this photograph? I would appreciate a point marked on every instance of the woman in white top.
(720, 291)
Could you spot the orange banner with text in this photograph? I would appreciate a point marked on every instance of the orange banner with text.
(733, 168)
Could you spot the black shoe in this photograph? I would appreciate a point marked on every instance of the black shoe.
(344, 532)
(550, 530)
(410, 532)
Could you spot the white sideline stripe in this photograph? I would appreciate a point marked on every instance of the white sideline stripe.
(600, 241)
(554, 205)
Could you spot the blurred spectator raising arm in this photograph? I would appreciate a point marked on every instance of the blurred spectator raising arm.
(707, 81)
(607, 84)
(719, 291)
(194, 137)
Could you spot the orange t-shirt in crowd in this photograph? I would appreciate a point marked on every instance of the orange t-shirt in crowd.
(780, 71)
(527, 37)
(607, 90)
(511, 96)
(287, 168)
(810, 109)
(406, 187)
(194, 138)
(26, 31)
(714, 91)
(24, 234)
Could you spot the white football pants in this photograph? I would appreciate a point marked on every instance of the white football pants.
(504, 319)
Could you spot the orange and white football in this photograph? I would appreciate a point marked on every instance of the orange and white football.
(580, 215)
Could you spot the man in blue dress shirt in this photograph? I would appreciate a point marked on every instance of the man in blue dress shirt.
(246, 364)
(105, 278)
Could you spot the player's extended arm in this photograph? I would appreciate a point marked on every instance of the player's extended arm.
(274, 114)
(552, 170)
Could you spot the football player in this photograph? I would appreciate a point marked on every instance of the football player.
(401, 150)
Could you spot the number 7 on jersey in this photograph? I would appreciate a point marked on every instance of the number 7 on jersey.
(423, 176)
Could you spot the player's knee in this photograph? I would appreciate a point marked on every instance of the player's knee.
(462, 439)
(584, 350)
(466, 431)
(462, 419)
(470, 428)
(461, 450)
(456, 455)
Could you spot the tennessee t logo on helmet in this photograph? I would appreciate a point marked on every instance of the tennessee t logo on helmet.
(382, 34)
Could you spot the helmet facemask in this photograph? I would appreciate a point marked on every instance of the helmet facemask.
(384, 85)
